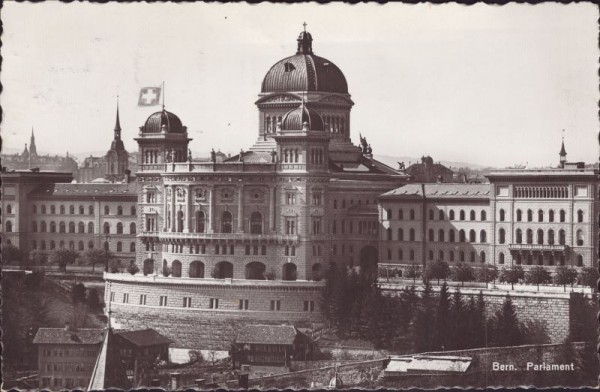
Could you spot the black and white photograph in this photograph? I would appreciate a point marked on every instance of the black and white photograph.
(202, 196)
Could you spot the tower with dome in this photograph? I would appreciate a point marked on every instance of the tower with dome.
(248, 238)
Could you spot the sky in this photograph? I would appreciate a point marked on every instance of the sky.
(489, 85)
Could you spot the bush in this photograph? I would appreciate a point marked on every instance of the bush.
(487, 273)
(115, 266)
(588, 277)
(565, 276)
(463, 273)
(270, 274)
(166, 270)
(413, 272)
(133, 268)
(512, 275)
(438, 270)
(538, 275)
(78, 293)
(94, 302)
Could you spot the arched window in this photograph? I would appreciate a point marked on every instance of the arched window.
(62, 209)
(72, 209)
(196, 269)
(72, 245)
(132, 247)
(289, 272)
(34, 226)
(529, 216)
(389, 234)
(52, 245)
(551, 216)
(461, 256)
(91, 210)
(411, 234)
(461, 236)
(562, 215)
(540, 215)
(430, 235)
(482, 236)
(91, 245)
(34, 209)
(501, 236)
(119, 210)
(200, 222)
(441, 214)
(176, 269)
(502, 215)
(451, 215)
(451, 235)
(441, 236)
(551, 237)
(52, 227)
(400, 235)
(580, 260)
(133, 210)
(519, 215)
(106, 210)
(148, 266)
(256, 223)
(62, 227)
(472, 236)
(106, 228)
(579, 237)
(431, 215)
(529, 236)
(179, 221)
(400, 214)
(482, 257)
(81, 246)
(91, 227)
(562, 238)
(462, 215)
(81, 210)
(43, 226)
(579, 216)
(412, 214)
(519, 236)
(43, 208)
(53, 209)
(224, 270)
(483, 215)
(388, 214)
(119, 228)
(540, 237)
(132, 228)
(106, 246)
(226, 222)
(472, 257)
(71, 227)
(119, 246)
(472, 215)
(9, 209)
(9, 226)
(501, 258)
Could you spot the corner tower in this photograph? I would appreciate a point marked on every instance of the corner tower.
(310, 78)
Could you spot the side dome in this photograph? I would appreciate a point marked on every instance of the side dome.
(295, 119)
(304, 72)
(163, 119)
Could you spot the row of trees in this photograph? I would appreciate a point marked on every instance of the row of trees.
(355, 307)
(61, 257)
(462, 272)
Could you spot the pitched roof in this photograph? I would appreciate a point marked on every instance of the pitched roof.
(144, 338)
(267, 334)
(62, 336)
(446, 191)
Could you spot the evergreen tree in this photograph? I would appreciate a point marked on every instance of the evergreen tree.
(422, 327)
(78, 293)
(442, 319)
(480, 338)
(506, 329)
(459, 323)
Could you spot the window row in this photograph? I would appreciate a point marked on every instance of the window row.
(51, 245)
(343, 203)
(440, 255)
(553, 192)
(81, 210)
(541, 238)
(440, 215)
(440, 236)
(541, 217)
(80, 228)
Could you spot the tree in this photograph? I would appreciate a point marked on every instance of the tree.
(463, 273)
(62, 257)
(588, 277)
(458, 324)
(36, 257)
(93, 300)
(487, 273)
(413, 272)
(78, 293)
(565, 276)
(10, 254)
(422, 326)
(442, 320)
(438, 270)
(97, 256)
(506, 328)
(512, 275)
(133, 268)
(538, 275)
(115, 266)
(166, 270)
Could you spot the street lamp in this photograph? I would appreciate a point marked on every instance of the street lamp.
(106, 250)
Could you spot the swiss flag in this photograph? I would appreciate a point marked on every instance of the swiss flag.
(149, 96)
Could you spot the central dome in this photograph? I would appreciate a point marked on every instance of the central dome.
(156, 121)
(304, 72)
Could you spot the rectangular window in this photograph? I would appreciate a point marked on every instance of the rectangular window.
(112, 296)
(316, 198)
(213, 303)
(187, 302)
(290, 226)
(142, 299)
(231, 249)
(125, 298)
(243, 305)
(290, 198)
(275, 304)
(309, 306)
(163, 300)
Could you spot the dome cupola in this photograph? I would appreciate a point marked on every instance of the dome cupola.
(163, 121)
(302, 119)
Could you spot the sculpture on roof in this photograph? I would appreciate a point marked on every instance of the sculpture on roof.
(363, 144)
(401, 165)
(189, 155)
(241, 155)
(369, 150)
(168, 157)
(213, 156)
(273, 156)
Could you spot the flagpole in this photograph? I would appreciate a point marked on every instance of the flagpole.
(163, 94)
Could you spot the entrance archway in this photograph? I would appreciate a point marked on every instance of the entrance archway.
(255, 270)
(196, 269)
(148, 266)
(223, 270)
(289, 272)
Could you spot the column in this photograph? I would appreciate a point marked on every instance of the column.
(240, 213)
(173, 210)
(188, 210)
(211, 209)
(272, 191)
(164, 211)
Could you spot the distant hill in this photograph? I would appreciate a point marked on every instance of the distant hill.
(393, 162)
